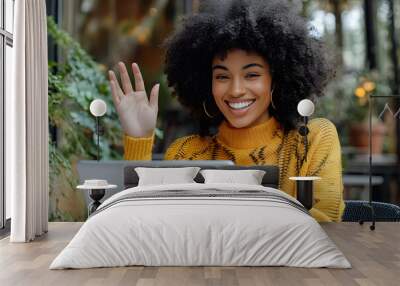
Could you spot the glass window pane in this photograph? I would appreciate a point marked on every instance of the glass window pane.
(9, 14)
(8, 69)
(1, 14)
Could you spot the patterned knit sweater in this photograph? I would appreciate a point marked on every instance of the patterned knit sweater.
(266, 144)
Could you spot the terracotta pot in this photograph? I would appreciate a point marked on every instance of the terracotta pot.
(358, 136)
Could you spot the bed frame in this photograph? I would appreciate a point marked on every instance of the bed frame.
(131, 179)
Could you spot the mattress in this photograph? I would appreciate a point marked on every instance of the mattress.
(201, 225)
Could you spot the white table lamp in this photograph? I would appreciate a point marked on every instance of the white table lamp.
(304, 185)
(98, 108)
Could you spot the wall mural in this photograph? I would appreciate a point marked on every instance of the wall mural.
(95, 35)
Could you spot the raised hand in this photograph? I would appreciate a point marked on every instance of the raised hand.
(137, 113)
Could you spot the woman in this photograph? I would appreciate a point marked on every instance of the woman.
(243, 68)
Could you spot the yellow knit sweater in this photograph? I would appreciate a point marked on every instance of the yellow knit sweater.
(266, 144)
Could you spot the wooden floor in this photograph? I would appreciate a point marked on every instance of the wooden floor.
(374, 255)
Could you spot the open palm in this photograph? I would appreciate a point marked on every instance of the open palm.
(137, 113)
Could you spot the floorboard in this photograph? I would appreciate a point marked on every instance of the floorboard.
(374, 255)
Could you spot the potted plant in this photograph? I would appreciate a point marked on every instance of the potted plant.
(346, 104)
(369, 83)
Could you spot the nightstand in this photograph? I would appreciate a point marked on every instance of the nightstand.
(97, 189)
(304, 190)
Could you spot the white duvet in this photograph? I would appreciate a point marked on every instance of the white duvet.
(183, 231)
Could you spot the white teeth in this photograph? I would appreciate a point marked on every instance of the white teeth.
(240, 105)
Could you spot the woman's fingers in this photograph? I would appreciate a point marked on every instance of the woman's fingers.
(154, 96)
(115, 89)
(126, 81)
(114, 93)
(139, 83)
(113, 77)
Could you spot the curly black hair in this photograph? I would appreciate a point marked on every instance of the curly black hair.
(299, 64)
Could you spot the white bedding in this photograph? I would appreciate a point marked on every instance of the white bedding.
(183, 231)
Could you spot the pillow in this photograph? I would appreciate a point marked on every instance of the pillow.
(163, 176)
(248, 177)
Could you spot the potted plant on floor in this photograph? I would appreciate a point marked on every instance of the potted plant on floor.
(357, 110)
(346, 104)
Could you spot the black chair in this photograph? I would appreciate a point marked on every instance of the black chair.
(359, 211)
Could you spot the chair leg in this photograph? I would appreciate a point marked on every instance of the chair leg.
(370, 206)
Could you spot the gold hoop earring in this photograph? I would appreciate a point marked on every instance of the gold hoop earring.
(272, 102)
(205, 110)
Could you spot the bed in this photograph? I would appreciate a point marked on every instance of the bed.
(200, 224)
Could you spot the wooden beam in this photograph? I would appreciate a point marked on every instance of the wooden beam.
(370, 33)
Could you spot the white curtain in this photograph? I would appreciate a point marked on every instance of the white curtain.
(27, 124)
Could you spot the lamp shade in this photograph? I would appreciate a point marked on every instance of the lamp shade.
(98, 107)
(305, 107)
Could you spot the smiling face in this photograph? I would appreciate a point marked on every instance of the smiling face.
(241, 85)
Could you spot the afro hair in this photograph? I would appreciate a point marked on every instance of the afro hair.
(299, 65)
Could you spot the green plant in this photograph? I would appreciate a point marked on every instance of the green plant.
(368, 83)
(73, 84)
(346, 99)
(346, 102)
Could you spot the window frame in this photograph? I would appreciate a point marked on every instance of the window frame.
(6, 39)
